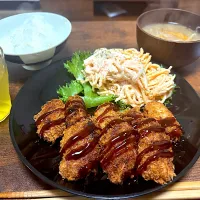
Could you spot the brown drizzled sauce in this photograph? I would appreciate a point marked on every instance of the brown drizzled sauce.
(48, 125)
(72, 122)
(109, 108)
(156, 156)
(83, 133)
(88, 147)
(163, 152)
(131, 117)
(104, 118)
(170, 122)
(118, 150)
(167, 122)
(134, 116)
(159, 145)
(144, 132)
(84, 170)
(139, 124)
(71, 112)
(74, 101)
(105, 104)
(111, 124)
(78, 105)
(82, 151)
(138, 171)
(74, 108)
(145, 121)
(43, 116)
(122, 138)
(119, 138)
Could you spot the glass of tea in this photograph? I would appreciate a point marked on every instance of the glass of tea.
(5, 102)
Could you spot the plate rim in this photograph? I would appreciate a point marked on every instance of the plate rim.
(75, 192)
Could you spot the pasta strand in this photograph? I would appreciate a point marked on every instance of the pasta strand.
(130, 75)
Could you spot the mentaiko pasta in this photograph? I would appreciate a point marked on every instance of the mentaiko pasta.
(129, 75)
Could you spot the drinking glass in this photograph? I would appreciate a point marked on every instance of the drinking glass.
(5, 102)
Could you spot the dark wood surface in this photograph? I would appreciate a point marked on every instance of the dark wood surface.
(14, 176)
(82, 10)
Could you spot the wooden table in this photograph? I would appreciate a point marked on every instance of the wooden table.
(16, 181)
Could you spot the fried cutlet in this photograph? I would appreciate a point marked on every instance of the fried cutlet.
(131, 116)
(75, 110)
(104, 114)
(50, 121)
(118, 143)
(79, 150)
(155, 156)
(55, 116)
(160, 170)
(119, 152)
(167, 120)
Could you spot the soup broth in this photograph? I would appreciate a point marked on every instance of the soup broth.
(172, 32)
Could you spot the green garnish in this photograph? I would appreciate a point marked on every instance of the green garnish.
(69, 90)
(75, 66)
(92, 99)
(122, 105)
(176, 88)
(168, 102)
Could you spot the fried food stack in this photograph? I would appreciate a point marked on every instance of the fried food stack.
(75, 110)
(125, 144)
(165, 118)
(79, 146)
(50, 121)
(79, 150)
(155, 156)
(118, 143)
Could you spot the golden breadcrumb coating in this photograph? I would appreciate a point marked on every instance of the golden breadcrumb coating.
(104, 114)
(160, 112)
(119, 166)
(162, 169)
(70, 169)
(56, 131)
(75, 110)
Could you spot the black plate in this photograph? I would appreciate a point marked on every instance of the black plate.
(43, 159)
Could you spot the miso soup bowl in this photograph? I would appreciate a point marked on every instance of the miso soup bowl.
(176, 54)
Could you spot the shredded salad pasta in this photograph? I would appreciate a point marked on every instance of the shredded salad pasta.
(129, 75)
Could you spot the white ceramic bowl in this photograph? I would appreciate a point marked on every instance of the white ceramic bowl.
(32, 39)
